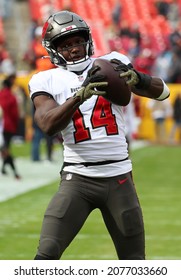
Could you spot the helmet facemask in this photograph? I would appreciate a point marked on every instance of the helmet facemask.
(73, 61)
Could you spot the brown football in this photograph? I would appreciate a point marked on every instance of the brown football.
(117, 91)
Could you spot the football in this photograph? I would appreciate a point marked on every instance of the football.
(117, 91)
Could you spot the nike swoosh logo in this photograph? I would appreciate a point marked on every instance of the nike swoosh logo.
(122, 181)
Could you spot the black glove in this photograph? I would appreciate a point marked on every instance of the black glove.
(91, 85)
(120, 66)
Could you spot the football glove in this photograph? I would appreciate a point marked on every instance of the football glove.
(93, 85)
(134, 78)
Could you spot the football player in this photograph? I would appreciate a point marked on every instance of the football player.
(97, 170)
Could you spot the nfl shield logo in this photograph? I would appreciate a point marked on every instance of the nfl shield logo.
(81, 78)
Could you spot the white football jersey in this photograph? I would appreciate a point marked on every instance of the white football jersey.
(96, 132)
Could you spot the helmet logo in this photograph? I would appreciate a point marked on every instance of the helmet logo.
(70, 27)
(44, 30)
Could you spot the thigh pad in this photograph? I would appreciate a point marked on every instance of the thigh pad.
(132, 221)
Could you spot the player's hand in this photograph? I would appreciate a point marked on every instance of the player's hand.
(91, 89)
(93, 85)
(132, 77)
(126, 72)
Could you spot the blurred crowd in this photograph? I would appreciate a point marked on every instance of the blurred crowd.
(165, 63)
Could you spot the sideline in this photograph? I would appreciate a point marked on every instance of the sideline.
(36, 174)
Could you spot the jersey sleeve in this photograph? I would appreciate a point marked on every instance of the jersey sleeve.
(40, 82)
(119, 56)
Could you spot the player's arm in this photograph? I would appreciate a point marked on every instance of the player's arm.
(51, 117)
(147, 86)
(143, 84)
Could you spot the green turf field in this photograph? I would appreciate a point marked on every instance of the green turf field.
(157, 177)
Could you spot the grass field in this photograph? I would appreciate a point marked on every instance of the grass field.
(157, 177)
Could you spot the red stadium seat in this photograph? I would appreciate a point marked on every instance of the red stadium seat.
(34, 6)
(99, 13)
(2, 33)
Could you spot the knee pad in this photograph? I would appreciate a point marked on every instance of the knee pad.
(132, 222)
(49, 249)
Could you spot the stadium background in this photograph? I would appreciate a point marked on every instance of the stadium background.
(21, 216)
(14, 29)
